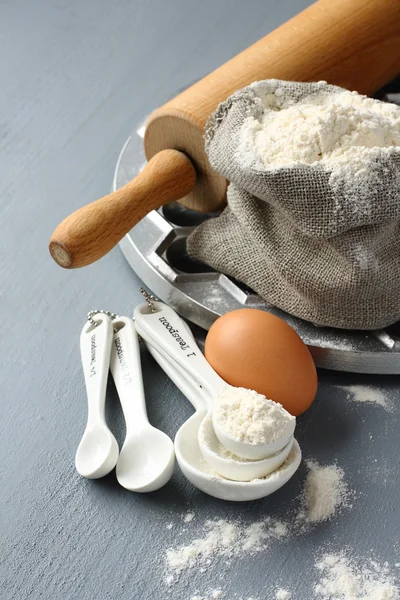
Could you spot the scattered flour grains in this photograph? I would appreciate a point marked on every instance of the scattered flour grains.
(249, 417)
(221, 595)
(324, 492)
(366, 394)
(342, 579)
(213, 595)
(188, 518)
(224, 538)
(283, 594)
(341, 576)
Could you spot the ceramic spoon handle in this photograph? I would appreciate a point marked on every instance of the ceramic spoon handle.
(167, 332)
(95, 344)
(184, 382)
(127, 374)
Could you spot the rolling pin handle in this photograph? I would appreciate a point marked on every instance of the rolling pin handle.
(92, 231)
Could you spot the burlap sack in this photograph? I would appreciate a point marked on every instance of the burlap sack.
(313, 250)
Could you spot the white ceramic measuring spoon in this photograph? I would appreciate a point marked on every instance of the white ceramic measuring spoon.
(230, 467)
(166, 331)
(189, 455)
(147, 458)
(97, 453)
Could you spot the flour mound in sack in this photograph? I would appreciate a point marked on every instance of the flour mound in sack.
(313, 216)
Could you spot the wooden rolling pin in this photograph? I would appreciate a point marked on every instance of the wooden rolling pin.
(351, 43)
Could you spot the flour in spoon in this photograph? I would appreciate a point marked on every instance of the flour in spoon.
(249, 417)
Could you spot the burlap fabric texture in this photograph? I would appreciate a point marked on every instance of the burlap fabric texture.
(327, 254)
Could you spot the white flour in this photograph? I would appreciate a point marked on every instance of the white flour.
(282, 594)
(213, 595)
(188, 518)
(325, 491)
(344, 579)
(221, 595)
(340, 578)
(367, 394)
(344, 132)
(225, 538)
(249, 417)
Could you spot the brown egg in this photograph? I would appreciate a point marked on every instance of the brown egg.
(253, 349)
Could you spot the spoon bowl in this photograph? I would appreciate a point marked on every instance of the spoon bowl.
(197, 471)
(146, 461)
(97, 453)
(147, 457)
(234, 467)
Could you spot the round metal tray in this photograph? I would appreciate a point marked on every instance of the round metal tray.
(156, 251)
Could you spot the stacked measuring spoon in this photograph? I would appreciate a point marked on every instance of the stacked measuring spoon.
(210, 457)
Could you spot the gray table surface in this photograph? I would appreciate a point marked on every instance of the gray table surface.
(75, 79)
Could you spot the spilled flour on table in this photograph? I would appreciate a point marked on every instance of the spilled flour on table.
(213, 595)
(221, 595)
(325, 492)
(366, 394)
(343, 578)
(283, 594)
(225, 538)
(339, 577)
(188, 518)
